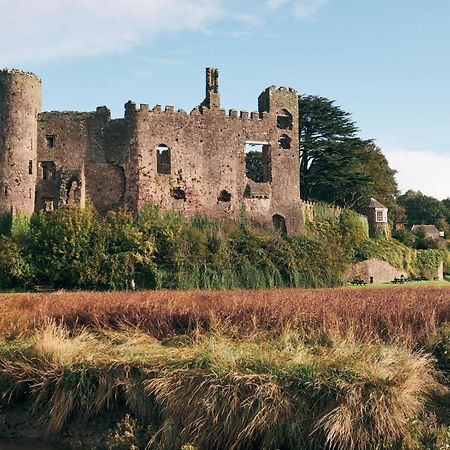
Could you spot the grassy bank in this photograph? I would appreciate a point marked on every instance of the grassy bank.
(287, 369)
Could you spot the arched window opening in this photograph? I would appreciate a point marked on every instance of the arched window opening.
(257, 161)
(224, 196)
(178, 193)
(73, 191)
(279, 224)
(284, 142)
(284, 120)
(163, 163)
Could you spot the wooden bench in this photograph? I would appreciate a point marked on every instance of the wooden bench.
(44, 288)
(398, 280)
(358, 282)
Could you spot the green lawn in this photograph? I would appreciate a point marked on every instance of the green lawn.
(406, 284)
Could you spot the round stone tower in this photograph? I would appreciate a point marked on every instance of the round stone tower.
(20, 104)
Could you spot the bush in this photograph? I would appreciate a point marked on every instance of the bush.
(15, 266)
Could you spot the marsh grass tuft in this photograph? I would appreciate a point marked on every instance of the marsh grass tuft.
(269, 390)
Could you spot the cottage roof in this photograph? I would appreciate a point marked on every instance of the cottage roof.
(372, 203)
(428, 229)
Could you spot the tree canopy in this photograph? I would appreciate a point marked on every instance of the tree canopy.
(336, 165)
(422, 209)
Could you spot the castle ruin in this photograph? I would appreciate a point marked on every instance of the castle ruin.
(189, 162)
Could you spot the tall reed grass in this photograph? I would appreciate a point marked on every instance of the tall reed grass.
(391, 314)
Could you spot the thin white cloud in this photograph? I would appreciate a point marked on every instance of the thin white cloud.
(50, 29)
(275, 4)
(302, 9)
(427, 172)
(307, 9)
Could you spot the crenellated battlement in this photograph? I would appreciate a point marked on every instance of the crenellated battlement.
(170, 110)
(10, 71)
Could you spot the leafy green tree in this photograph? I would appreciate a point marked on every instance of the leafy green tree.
(63, 246)
(422, 209)
(422, 242)
(336, 165)
(446, 204)
(254, 166)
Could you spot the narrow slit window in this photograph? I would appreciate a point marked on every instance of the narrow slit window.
(163, 159)
(30, 167)
(257, 161)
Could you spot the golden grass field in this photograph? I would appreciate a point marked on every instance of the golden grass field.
(291, 369)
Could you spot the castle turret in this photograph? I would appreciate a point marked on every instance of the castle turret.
(20, 104)
(212, 99)
(282, 106)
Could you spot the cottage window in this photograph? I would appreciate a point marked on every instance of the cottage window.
(380, 216)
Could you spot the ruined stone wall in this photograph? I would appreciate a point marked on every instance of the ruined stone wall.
(80, 160)
(207, 164)
(187, 162)
(20, 104)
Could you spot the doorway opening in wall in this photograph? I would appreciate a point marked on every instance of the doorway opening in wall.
(163, 160)
(279, 224)
(257, 161)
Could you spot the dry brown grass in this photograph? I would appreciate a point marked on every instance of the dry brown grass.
(405, 313)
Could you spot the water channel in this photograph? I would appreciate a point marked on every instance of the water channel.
(29, 445)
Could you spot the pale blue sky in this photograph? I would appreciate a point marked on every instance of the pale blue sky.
(385, 61)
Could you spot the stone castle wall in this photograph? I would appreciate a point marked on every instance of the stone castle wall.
(188, 162)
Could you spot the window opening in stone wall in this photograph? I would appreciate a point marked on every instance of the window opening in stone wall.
(279, 223)
(163, 163)
(284, 142)
(284, 120)
(178, 193)
(224, 196)
(257, 161)
(48, 170)
(6, 191)
(50, 141)
(30, 167)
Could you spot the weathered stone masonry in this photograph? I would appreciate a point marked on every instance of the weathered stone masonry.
(188, 162)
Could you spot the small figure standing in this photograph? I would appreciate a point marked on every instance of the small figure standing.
(133, 284)
(126, 284)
